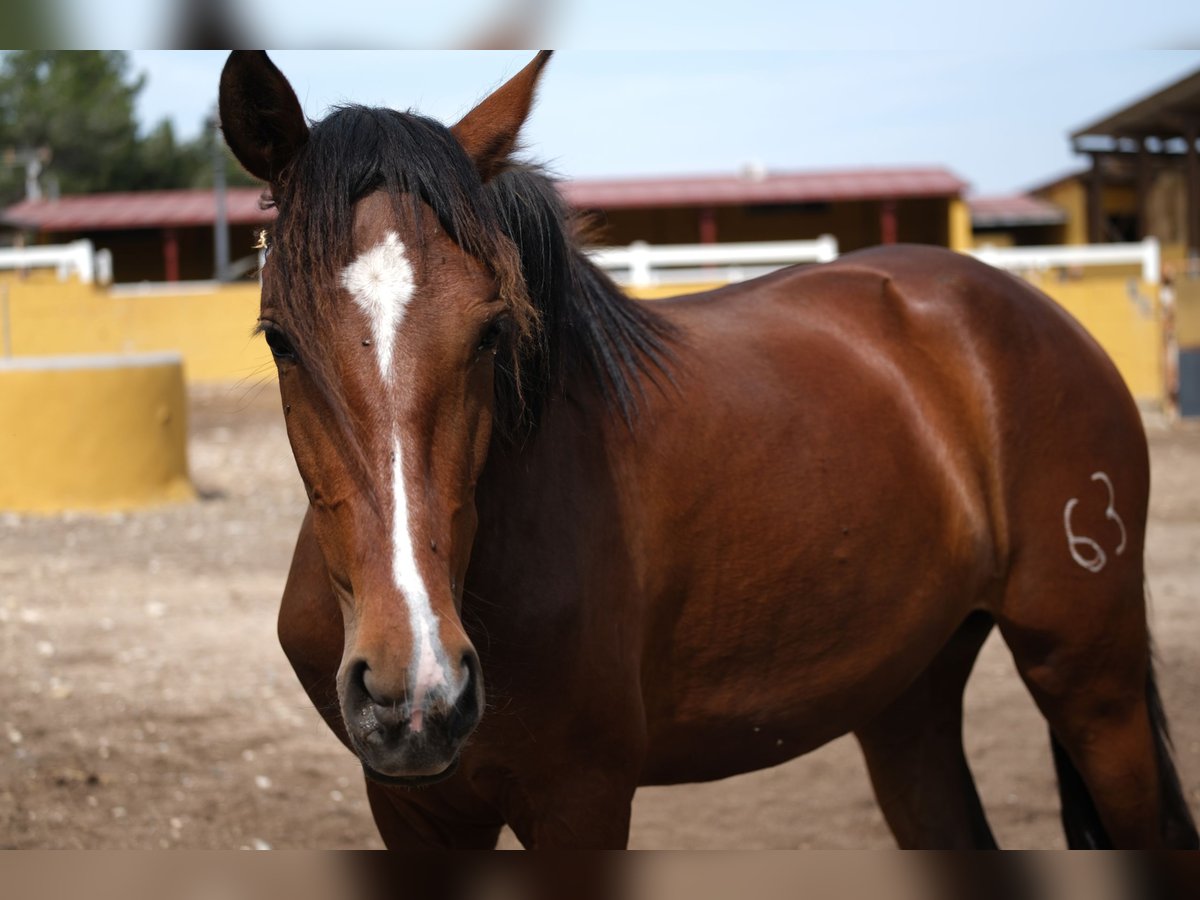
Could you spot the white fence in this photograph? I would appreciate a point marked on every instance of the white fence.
(1024, 259)
(76, 258)
(642, 265)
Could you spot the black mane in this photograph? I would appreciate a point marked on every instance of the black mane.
(585, 320)
(569, 314)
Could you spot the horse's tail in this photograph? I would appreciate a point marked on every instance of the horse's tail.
(1080, 819)
(1179, 829)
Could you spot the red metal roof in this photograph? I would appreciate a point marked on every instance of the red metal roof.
(1017, 209)
(764, 188)
(189, 208)
(138, 209)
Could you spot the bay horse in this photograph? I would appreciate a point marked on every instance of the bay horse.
(679, 540)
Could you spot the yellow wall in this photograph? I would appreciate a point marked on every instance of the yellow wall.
(1128, 327)
(1130, 330)
(92, 434)
(211, 330)
(960, 224)
(1070, 196)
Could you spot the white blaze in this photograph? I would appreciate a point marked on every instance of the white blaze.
(381, 283)
(427, 664)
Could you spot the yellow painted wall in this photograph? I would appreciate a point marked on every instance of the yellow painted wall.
(960, 225)
(1070, 196)
(1130, 330)
(211, 330)
(1123, 314)
(92, 435)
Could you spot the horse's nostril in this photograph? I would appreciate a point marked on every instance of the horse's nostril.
(370, 685)
(366, 688)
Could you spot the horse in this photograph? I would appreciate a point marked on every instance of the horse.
(685, 539)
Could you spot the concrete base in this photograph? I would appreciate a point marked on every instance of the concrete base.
(92, 433)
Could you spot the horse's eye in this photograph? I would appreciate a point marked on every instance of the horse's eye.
(281, 347)
(492, 332)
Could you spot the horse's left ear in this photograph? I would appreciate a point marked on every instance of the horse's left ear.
(260, 115)
(489, 132)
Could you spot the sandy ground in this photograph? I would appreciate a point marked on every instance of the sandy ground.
(144, 701)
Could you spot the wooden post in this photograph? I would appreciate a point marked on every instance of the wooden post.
(1095, 201)
(708, 225)
(171, 254)
(1193, 193)
(887, 222)
(1144, 184)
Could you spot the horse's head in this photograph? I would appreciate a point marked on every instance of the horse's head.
(392, 303)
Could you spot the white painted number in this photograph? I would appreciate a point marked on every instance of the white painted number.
(1085, 551)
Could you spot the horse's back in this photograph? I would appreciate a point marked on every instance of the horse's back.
(1012, 380)
(854, 456)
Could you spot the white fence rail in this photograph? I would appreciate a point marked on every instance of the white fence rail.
(642, 265)
(76, 258)
(1023, 259)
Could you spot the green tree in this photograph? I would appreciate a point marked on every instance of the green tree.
(80, 106)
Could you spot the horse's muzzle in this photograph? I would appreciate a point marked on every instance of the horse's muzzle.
(384, 731)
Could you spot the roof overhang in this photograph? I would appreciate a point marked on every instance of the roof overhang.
(1168, 115)
(1016, 211)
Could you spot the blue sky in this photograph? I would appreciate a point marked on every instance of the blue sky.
(999, 118)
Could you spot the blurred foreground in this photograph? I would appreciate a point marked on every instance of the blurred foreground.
(679, 876)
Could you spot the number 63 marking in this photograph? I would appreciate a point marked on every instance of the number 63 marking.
(1084, 550)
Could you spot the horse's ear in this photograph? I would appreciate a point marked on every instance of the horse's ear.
(489, 132)
(260, 115)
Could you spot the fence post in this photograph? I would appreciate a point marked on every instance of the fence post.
(104, 270)
(84, 262)
(639, 264)
(827, 249)
(1151, 260)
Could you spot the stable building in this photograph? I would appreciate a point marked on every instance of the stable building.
(1144, 176)
(153, 235)
(169, 235)
(859, 207)
(1016, 220)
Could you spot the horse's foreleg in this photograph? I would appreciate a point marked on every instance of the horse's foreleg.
(405, 824)
(583, 813)
(915, 755)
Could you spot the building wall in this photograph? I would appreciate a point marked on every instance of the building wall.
(1124, 315)
(211, 328)
(1070, 196)
(138, 254)
(1166, 207)
(855, 224)
(1023, 236)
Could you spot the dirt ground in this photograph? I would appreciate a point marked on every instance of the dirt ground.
(145, 703)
